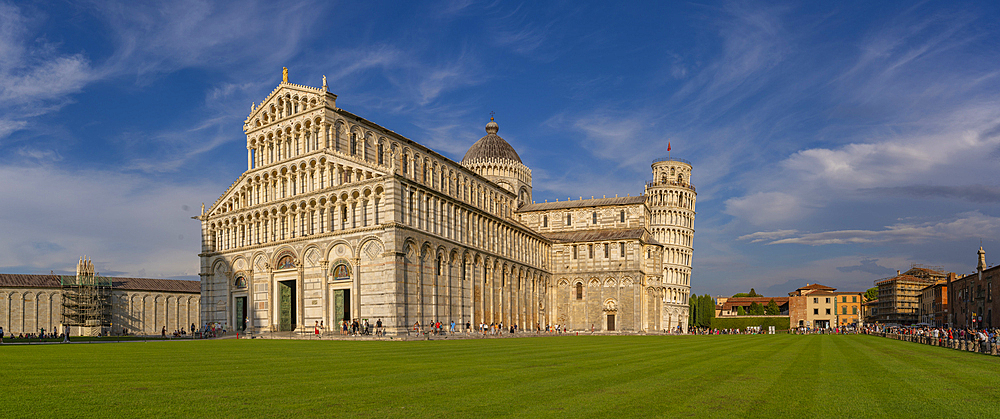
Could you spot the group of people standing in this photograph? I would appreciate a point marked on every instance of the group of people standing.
(360, 328)
(975, 340)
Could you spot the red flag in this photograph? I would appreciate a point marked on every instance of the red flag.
(668, 145)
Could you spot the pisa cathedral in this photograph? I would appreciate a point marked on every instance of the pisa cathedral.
(337, 217)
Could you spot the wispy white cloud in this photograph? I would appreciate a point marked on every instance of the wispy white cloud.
(34, 78)
(965, 226)
(141, 225)
(767, 235)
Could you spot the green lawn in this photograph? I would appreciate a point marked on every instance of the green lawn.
(779, 376)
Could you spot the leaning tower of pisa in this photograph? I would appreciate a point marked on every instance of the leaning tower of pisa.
(670, 197)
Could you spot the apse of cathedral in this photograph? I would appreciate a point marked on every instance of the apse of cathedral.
(338, 218)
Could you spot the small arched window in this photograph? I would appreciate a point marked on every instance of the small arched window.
(579, 290)
(545, 221)
(594, 217)
(381, 154)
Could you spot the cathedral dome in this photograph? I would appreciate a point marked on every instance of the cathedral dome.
(491, 147)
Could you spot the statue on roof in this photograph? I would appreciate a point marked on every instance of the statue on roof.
(284, 74)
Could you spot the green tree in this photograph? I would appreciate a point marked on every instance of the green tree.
(740, 311)
(693, 311)
(756, 309)
(752, 293)
(772, 308)
(709, 303)
(871, 294)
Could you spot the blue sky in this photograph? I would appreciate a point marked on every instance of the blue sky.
(831, 143)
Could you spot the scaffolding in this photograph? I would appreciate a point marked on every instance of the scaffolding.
(86, 302)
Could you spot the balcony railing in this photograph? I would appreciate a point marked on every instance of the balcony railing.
(672, 159)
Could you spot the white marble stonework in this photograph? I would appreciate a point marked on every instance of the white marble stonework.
(348, 219)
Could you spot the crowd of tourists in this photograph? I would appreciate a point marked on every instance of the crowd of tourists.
(42, 334)
(749, 330)
(972, 340)
(358, 328)
(836, 330)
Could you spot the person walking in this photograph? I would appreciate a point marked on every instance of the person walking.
(1, 334)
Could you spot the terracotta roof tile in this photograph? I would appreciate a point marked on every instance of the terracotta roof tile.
(817, 287)
(135, 284)
(600, 235)
(583, 203)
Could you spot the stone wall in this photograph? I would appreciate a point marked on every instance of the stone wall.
(28, 310)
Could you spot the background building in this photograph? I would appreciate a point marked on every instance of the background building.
(848, 308)
(730, 306)
(813, 306)
(899, 296)
(971, 297)
(934, 304)
(92, 304)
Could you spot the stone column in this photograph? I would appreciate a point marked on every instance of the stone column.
(325, 297)
(487, 294)
(299, 294)
(435, 302)
(250, 302)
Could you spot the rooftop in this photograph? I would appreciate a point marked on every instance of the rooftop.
(583, 203)
(133, 284)
(491, 147)
(600, 235)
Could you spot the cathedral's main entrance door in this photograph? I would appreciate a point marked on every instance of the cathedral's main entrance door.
(286, 306)
(611, 322)
(341, 306)
(241, 314)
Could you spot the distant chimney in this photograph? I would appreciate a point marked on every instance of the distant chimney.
(897, 272)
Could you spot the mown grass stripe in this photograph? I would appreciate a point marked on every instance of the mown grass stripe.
(563, 376)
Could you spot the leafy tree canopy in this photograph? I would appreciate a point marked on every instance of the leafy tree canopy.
(772, 308)
(752, 293)
(871, 294)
